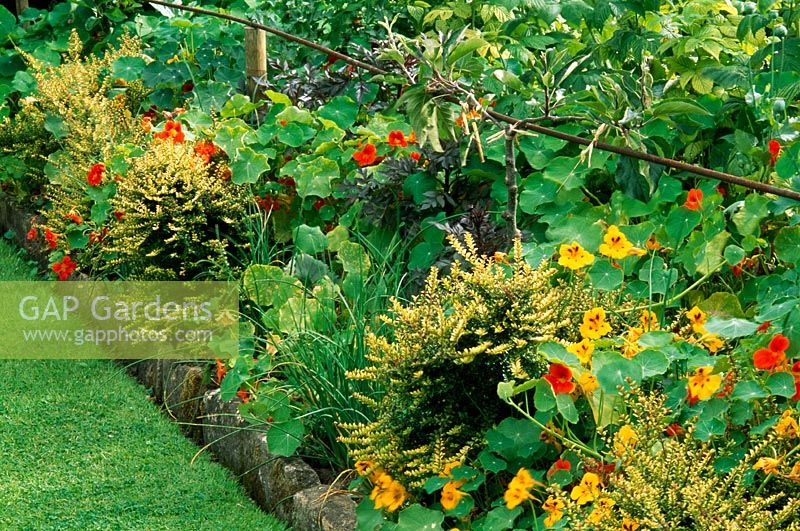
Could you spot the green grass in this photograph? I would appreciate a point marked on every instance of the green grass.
(82, 447)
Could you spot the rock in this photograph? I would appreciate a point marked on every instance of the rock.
(319, 508)
(183, 397)
(281, 479)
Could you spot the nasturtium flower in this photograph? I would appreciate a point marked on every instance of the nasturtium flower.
(774, 151)
(517, 491)
(588, 382)
(588, 489)
(447, 471)
(629, 524)
(615, 244)
(649, 321)
(64, 268)
(205, 150)
(96, 173)
(366, 156)
(625, 439)
(560, 464)
(712, 342)
(594, 324)
(451, 496)
(364, 467)
(574, 256)
(769, 465)
(554, 509)
(415, 155)
(388, 493)
(697, 318)
(396, 138)
(51, 238)
(652, 243)
(32, 234)
(583, 350)
(787, 426)
(560, 378)
(631, 346)
(703, 384)
(172, 132)
(602, 509)
(693, 199)
(772, 357)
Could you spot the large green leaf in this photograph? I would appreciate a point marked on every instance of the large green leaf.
(340, 110)
(310, 240)
(285, 437)
(248, 166)
(315, 177)
(787, 245)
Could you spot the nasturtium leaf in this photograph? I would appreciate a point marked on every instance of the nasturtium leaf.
(523, 436)
(616, 373)
(748, 218)
(781, 384)
(284, 438)
(556, 352)
(656, 339)
(787, 244)
(336, 237)
(566, 407)
(418, 518)
(491, 462)
(340, 110)
(56, 125)
(658, 278)
(354, 258)
(566, 171)
(741, 412)
(543, 398)
(733, 254)
(128, 68)
(77, 239)
(707, 428)
(277, 97)
(424, 254)
(605, 276)
(315, 177)
(248, 166)
(268, 285)
(731, 328)
(653, 362)
(7, 23)
(295, 135)
(711, 256)
(748, 390)
(24, 83)
(536, 191)
(680, 223)
(238, 105)
(498, 519)
(310, 240)
(369, 518)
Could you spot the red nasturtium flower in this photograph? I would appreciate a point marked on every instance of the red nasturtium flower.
(415, 155)
(187, 87)
(674, 430)
(244, 395)
(763, 327)
(32, 234)
(50, 237)
(74, 217)
(221, 370)
(96, 174)
(64, 268)
(560, 464)
(774, 151)
(397, 138)
(119, 214)
(693, 199)
(205, 150)
(560, 377)
(172, 131)
(366, 156)
(772, 357)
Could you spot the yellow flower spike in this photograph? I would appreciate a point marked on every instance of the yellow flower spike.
(588, 489)
(703, 384)
(615, 244)
(594, 324)
(574, 256)
(625, 439)
(583, 350)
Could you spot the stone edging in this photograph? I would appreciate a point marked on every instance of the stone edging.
(286, 487)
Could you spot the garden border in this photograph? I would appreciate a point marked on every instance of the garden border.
(289, 487)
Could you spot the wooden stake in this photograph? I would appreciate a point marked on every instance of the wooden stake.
(255, 50)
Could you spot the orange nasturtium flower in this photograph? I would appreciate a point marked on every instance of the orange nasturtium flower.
(397, 138)
(366, 156)
(560, 378)
(172, 131)
(519, 487)
(388, 493)
(787, 426)
(774, 151)
(574, 256)
(583, 350)
(451, 496)
(703, 384)
(96, 173)
(594, 324)
(772, 357)
(769, 465)
(588, 489)
(693, 199)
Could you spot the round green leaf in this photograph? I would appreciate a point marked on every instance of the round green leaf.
(248, 166)
(781, 384)
(605, 276)
(310, 240)
(787, 244)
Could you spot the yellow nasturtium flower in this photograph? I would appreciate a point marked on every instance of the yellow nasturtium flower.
(583, 350)
(617, 246)
(787, 426)
(574, 256)
(697, 318)
(588, 382)
(594, 324)
(703, 384)
(451, 496)
(553, 507)
(588, 489)
(625, 439)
